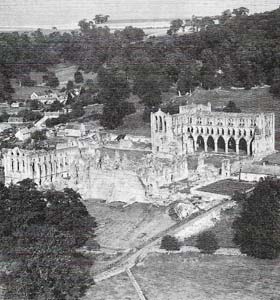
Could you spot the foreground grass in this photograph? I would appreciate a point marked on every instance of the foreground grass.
(202, 277)
(115, 288)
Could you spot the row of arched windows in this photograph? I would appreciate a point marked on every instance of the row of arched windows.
(219, 131)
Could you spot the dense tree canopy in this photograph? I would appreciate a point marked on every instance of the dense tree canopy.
(257, 229)
(114, 90)
(39, 233)
(241, 51)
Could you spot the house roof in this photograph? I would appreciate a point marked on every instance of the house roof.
(15, 119)
(73, 126)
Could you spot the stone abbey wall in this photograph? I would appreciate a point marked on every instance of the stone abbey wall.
(197, 128)
(96, 171)
(106, 167)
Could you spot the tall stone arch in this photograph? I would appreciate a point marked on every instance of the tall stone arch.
(243, 146)
(210, 144)
(190, 144)
(231, 145)
(200, 143)
(221, 144)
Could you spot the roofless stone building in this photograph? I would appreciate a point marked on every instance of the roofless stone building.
(197, 128)
(105, 168)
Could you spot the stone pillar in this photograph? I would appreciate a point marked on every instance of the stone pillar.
(237, 147)
(205, 145)
(216, 145)
(195, 144)
(248, 147)
(28, 168)
(226, 146)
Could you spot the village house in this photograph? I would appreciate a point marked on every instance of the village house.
(24, 133)
(48, 97)
(15, 120)
(75, 130)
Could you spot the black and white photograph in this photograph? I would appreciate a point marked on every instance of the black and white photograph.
(139, 150)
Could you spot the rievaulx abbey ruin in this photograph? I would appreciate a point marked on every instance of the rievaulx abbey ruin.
(197, 128)
(196, 144)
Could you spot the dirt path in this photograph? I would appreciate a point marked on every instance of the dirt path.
(133, 257)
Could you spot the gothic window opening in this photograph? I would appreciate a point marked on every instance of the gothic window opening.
(160, 123)
(156, 123)
(221, 145)
(210, 144)
(231, 145)
(242, 146)
(200, 144)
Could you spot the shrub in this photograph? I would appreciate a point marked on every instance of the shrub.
(275, 88)
(170, 243)
(27, 81)
(207, 242)
(78, 77)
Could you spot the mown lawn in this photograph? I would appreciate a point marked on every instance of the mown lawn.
(203, 277)
(227, 187)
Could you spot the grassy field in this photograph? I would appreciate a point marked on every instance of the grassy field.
(65, 72)
(127, 227)
(203, 277)
(223, 230)
(227, 187)
(25, 92)
(115, 288)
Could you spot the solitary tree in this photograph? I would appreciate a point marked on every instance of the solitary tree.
(175, 26)
(257, 229)
(70, 85)
(53, 81)
(207, 242)
(170, 243)
(231, 107)
(78, 76)
(241, 11)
